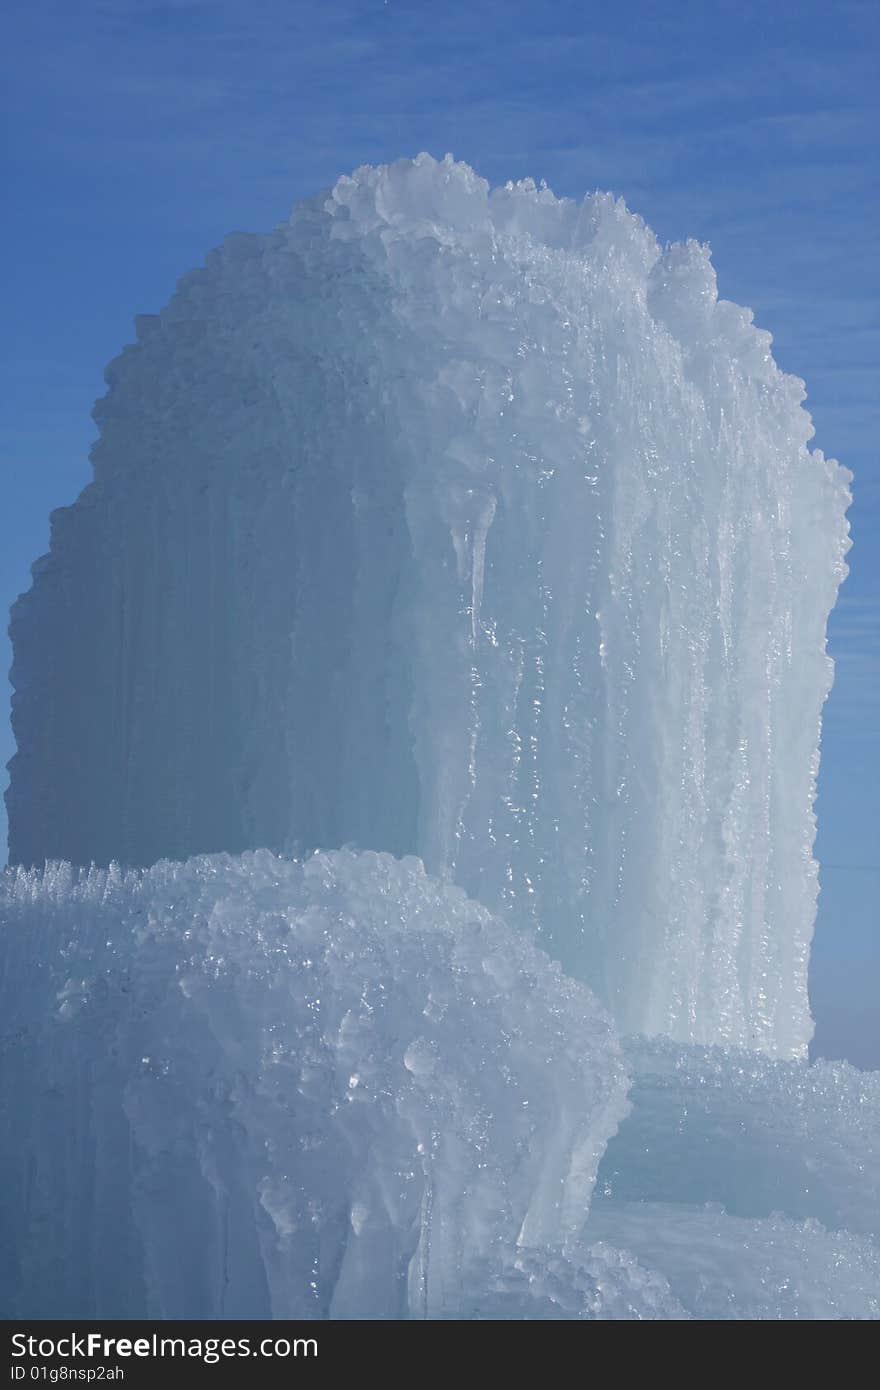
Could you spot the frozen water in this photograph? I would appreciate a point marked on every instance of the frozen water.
(754, 1136)
(727, 1267)
(752, 1186)
(468, 525)
(257, 1088)
(600, 1284)
(471, 525)
(250, 1087)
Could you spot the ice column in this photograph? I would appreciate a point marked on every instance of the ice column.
(467, 524)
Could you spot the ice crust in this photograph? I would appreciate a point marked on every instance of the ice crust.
(257, 1088)
(470, 525)
(468, 538)
(724, 1267)
(251, 1087)
(751, 1186)
(753, 1136)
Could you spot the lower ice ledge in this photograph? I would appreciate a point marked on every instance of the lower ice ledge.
(252, 1087)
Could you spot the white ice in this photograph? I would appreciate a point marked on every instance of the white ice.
(255, 1088)
(471, 525)
(470, 528)
(250, 1087)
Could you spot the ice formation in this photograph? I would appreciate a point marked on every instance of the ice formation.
(725, 1268)
(754, 1136)
(470, 525)
(250, 1087)
(255, 1088)
(468, 538)
(751, 1186)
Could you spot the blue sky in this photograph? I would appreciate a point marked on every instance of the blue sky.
(139, 134)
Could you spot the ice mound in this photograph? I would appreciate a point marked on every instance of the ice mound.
(754, 1136)
(468, 524)
(471, 525)
(726, 1267)
(255, 1087)
(250, 1087)
(600, 1284)
(751, 1186)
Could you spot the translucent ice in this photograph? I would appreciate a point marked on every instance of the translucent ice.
(599, 1283)
(471, 525)
(250, 1087)
(752, 1135)
(752, 1186)
(256, 1088)
(724, 1267)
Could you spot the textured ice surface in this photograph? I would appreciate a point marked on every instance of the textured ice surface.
(601, 1283)
(251, 1088)
(727, 1267)
(467, 524)
(752, 1186)
(754, 1136)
